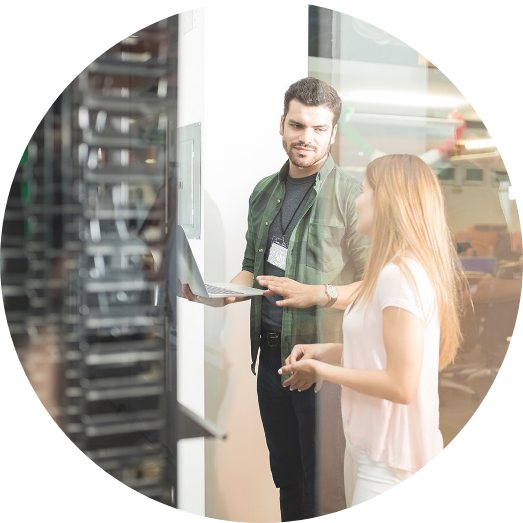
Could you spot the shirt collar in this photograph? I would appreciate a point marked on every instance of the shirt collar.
(322, 174)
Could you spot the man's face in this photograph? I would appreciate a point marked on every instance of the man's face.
(307, 133)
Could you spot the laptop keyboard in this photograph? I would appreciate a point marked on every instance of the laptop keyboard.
(211, 289)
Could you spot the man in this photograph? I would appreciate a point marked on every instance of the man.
(301, 225)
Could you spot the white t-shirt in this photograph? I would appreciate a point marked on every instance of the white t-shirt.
(403, 436)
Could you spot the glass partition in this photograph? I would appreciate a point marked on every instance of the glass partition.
(396, 101)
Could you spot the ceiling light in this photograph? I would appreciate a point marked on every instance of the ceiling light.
(479, 144)
(474, 156)
(402, 98)
(150, 160)
(130, 40)
(135, 57)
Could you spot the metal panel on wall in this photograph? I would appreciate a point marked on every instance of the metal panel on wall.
(189, 179)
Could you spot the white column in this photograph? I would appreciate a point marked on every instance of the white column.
(236, 60)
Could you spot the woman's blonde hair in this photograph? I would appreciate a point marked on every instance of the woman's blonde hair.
(409, 223)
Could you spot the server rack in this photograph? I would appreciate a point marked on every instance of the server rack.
(15, 252)
(91, 226)
(114, 395)
(28, 259)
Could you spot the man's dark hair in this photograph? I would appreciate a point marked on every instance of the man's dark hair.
(313, 92)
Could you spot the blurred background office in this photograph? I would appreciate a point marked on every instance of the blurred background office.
(167, 127)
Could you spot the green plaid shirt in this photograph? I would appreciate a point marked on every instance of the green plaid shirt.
(323, 248)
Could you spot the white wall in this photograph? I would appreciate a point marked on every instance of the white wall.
(235, 65)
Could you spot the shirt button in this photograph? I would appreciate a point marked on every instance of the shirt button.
(261, 250)
(278, 201)
(266, 223)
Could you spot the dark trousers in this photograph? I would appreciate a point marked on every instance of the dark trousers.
(289, 421)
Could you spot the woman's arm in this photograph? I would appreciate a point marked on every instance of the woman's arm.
(324, 352)
(301, 296)
(398, 382)
(327, 352)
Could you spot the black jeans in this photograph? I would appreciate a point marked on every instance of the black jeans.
(289, 422)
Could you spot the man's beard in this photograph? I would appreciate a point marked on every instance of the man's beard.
(302, 161)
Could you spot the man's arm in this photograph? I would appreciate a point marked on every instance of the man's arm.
(301, 296)
(246, 279)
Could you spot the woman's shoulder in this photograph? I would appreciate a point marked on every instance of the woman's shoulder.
(404, 285)
(418, 272)
(394, 270)
(409, 274)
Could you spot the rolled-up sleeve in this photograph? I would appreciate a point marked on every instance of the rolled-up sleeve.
(249, 255)
(357, 245)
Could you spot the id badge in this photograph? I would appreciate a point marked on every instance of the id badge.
(278, 256)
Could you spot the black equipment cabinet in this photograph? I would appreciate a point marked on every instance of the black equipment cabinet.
(86, 261)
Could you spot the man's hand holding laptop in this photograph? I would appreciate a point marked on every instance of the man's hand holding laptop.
(244, 279)
(184, 291)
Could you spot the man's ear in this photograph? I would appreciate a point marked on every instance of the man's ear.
(281, 125)
(333, 135)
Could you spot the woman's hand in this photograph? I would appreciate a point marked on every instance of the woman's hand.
(305, 373)
(295, 294)
(306, 352)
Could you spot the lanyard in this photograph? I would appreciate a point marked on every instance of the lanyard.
(283, 231)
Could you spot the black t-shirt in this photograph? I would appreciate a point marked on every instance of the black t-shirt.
(296, 190)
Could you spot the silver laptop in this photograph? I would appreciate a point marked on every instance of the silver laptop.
(188, 272)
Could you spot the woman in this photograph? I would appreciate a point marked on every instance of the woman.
(400, 330)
